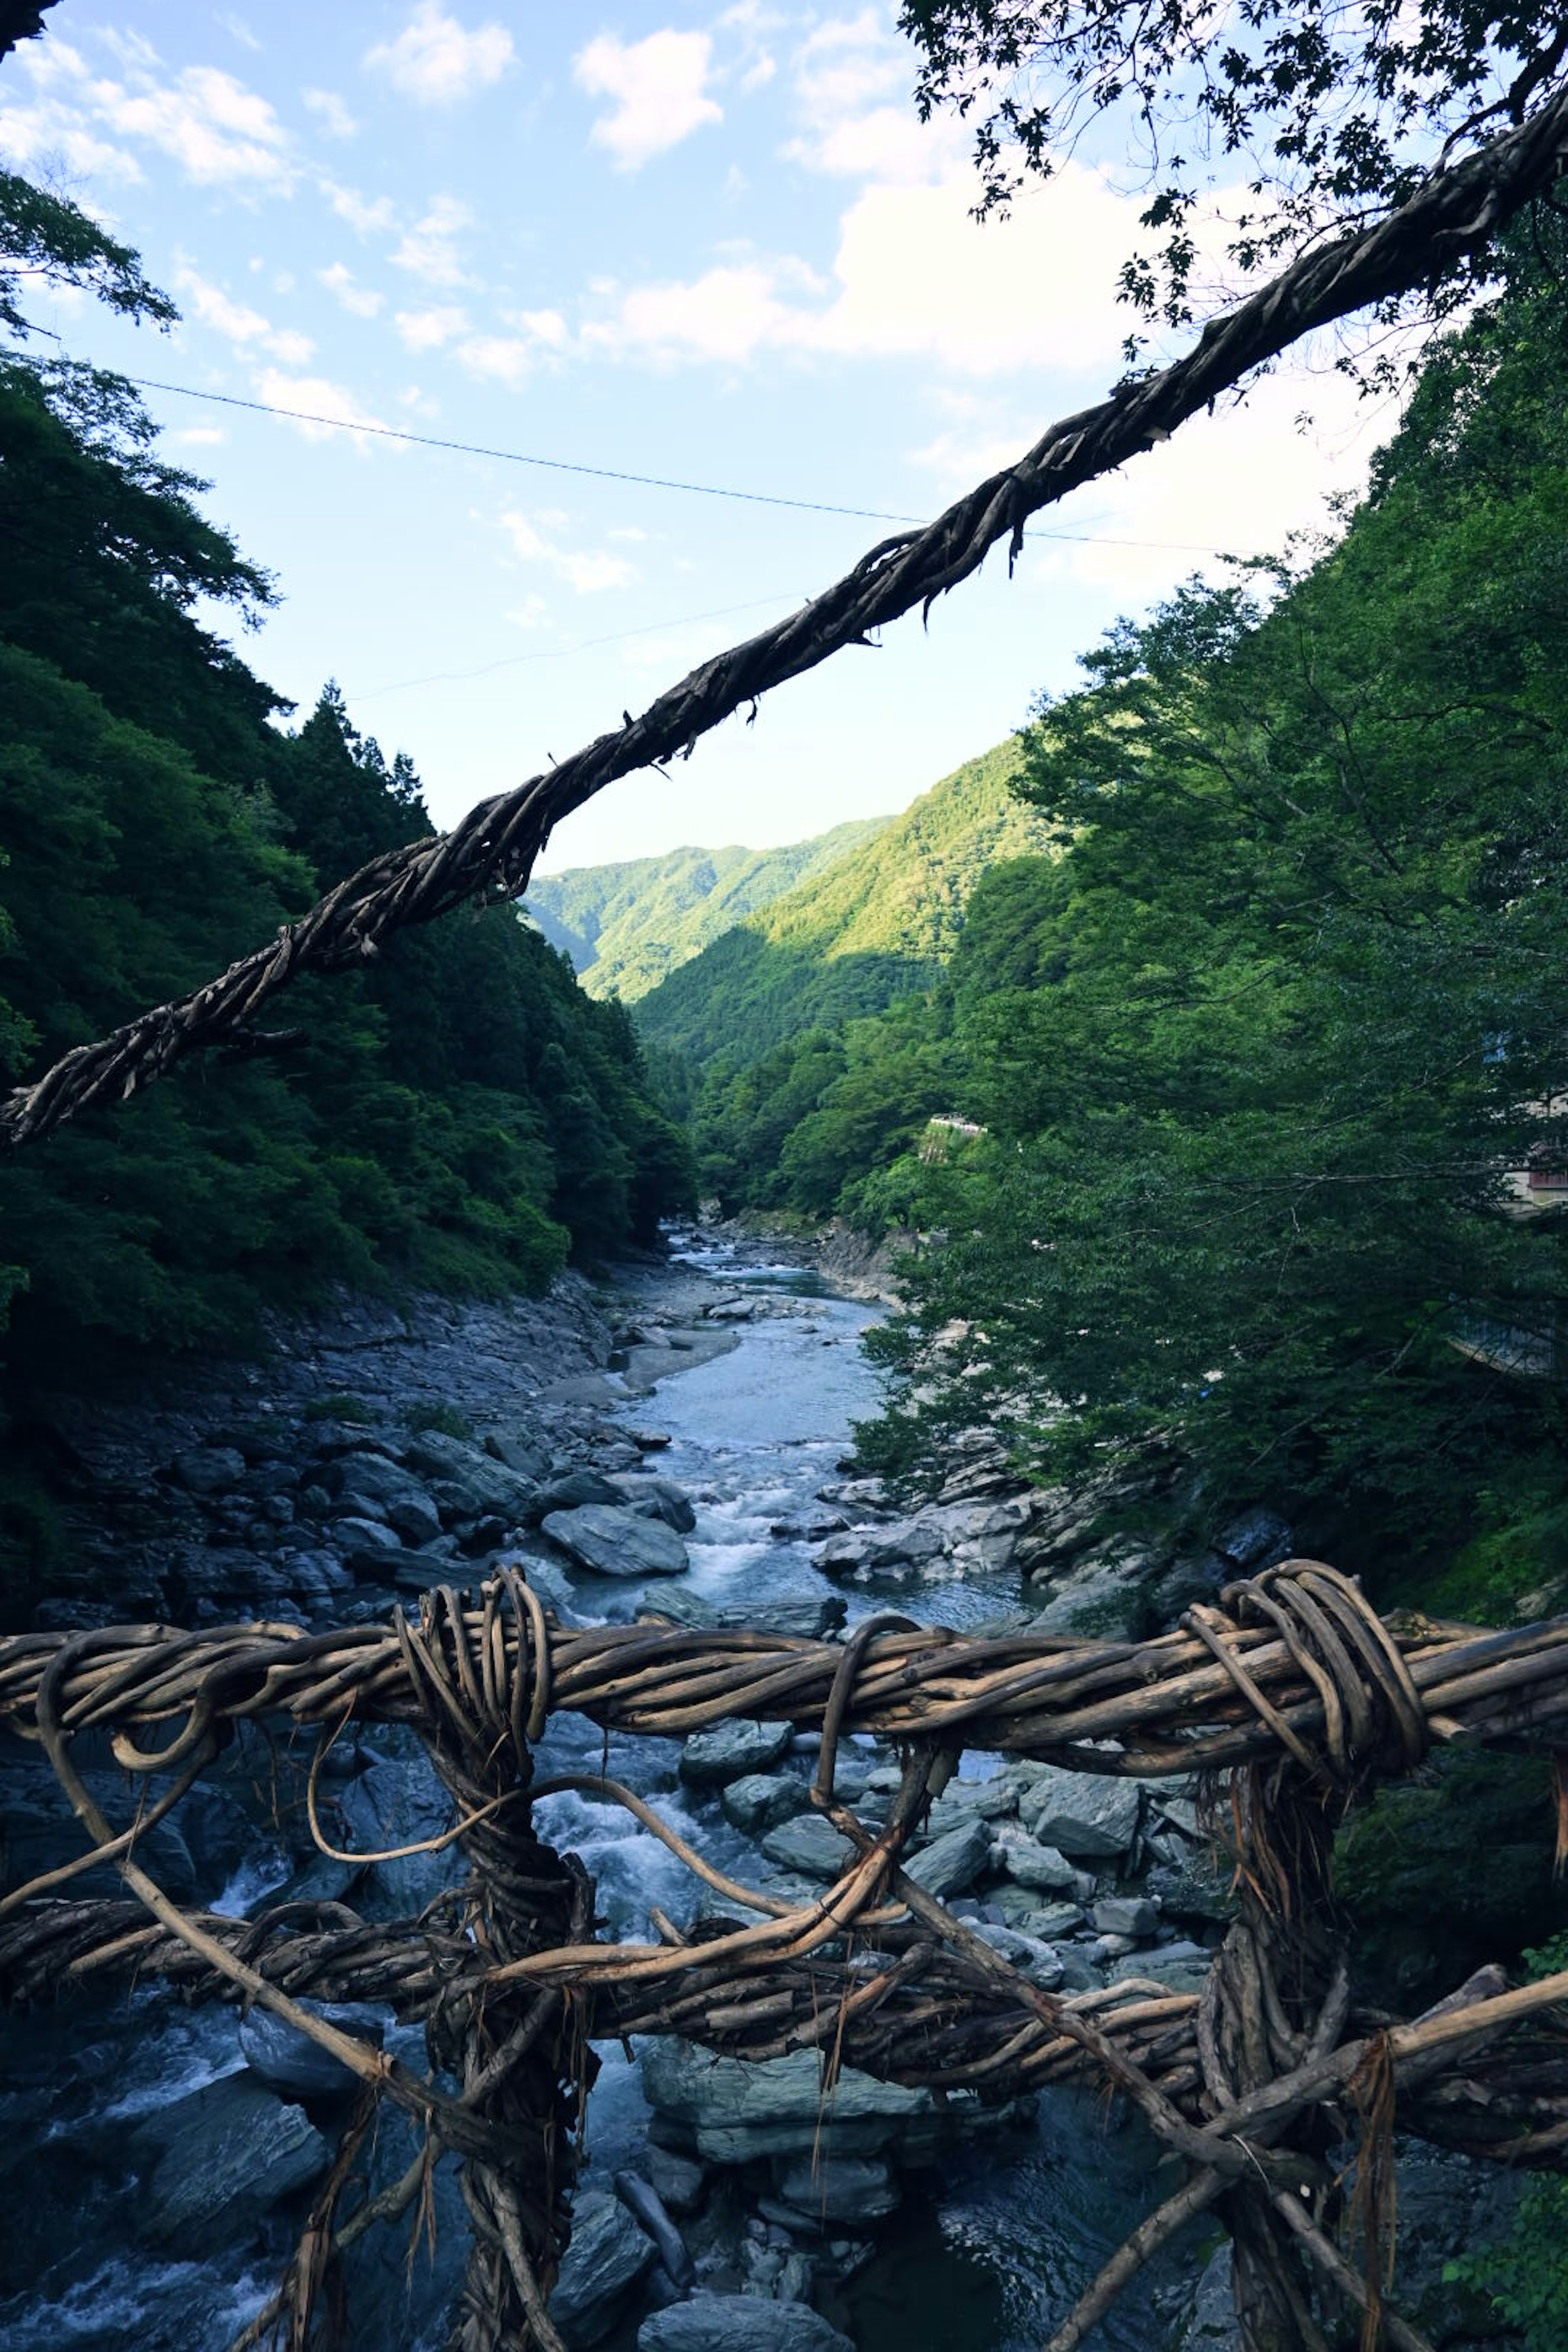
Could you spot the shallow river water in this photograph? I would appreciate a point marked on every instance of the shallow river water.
(987, 2262)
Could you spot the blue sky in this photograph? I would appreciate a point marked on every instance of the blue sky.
(706, 244)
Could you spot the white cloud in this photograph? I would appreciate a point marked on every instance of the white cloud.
(363, 300)
(586, 570)
(49, 132)
(367, 216)
(426, 330)
(435, 62)
(916, 278)
(329, 404)
(532, 613)
(239, 325)
(658, 89)
(196, 437)
(330, 111)
(236, 27)
(430, 248)
(217, 130)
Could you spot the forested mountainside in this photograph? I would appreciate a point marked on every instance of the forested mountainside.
(1263, 1167)
(871, 926)
(626, 926)
(459, 1114)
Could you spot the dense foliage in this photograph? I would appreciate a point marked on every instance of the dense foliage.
(876, 924)
(626, 926)
(459, 1114)
(1258, 133)
(1267, 1069)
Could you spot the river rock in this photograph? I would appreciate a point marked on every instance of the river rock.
(646, 2205)
(1180, 1967)
(209, 1469)
(680, 2180)
(1125, 1914)
(613, 1541)
(466, 1483)
(1022, 1908)
(517, 1452)
(804, 1621)
(963, 1800)
(658, 1498)
(849, 2189)
(213, 2163)
(289, 2060)
(367, 1486)
(732, 2110)
(1033, 1958)
(570, 1490)
(739, 2323)
(608, 2254)
(1029, 1864)
(761, 1800)
(812, 1844)
(711, 1760)
(1195, 1888)
(1082, 1813)
(950, 1864)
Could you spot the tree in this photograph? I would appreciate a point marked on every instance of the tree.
(1278, 126)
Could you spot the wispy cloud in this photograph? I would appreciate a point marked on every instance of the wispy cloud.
(332, 403)
(215, 129)
(659, 87)
(331, 112)
(437, 62)
(363, 300)
(536, 540)
(429, 249)
(239, 323)
(369, 216)
(428, 331)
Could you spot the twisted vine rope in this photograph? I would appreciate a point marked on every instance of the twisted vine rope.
(1453, 214)
(1294, 1688)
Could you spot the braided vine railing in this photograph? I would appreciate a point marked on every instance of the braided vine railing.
(1292, 1699)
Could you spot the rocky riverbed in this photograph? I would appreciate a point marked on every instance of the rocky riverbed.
(669, 1443)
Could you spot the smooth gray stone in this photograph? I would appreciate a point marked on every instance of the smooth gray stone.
(467, 1482)
(1034, 1960)
(761, 1800)
(212, 2164)
(571, 1490)
(808, 1621)
(658, 1498)
(952, 1863)
(209, 1469)
(1180, 1970)
(517, 1453)
(711, 1758)
(608, 2254)
(613, 1541)
(732, 2110)
(646, 2205)
(1046, 1921)
(365, 1538)
(964, 1801)
(290, 2061)
(739, 2323)
(410, 1514)
(1125, 1914)
(812, 1844)
(679, 2180)
(838, 2188)
(1082, 1813)
(1027, 1863)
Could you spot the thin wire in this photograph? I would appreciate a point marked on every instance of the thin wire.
(556, 653)
(644, 481)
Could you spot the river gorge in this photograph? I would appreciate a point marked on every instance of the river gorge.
(693, 1412)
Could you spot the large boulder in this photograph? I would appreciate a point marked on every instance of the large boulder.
(739, 2323)
(209, 1469)
(761, 1800)
(608, 2254)
(211, 2165)
(811, 1844)
(466, 1483)
(848, 2189)
(613, 1541)
(1027, 1863)
(950, 1864)
(1082, 1813)
(290, 2061)
(711, 1760)
(733, 2110)
(655, 1498)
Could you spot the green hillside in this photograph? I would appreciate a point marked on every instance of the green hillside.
(878, 922)
(626, 926)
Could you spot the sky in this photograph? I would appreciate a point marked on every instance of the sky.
(713, 245)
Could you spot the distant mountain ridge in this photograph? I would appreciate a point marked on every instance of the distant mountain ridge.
(877, 923)
(626, 926)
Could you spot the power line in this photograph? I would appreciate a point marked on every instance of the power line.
(643, 481)
(556, 653)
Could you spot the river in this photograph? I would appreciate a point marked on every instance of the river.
(985, 2256)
